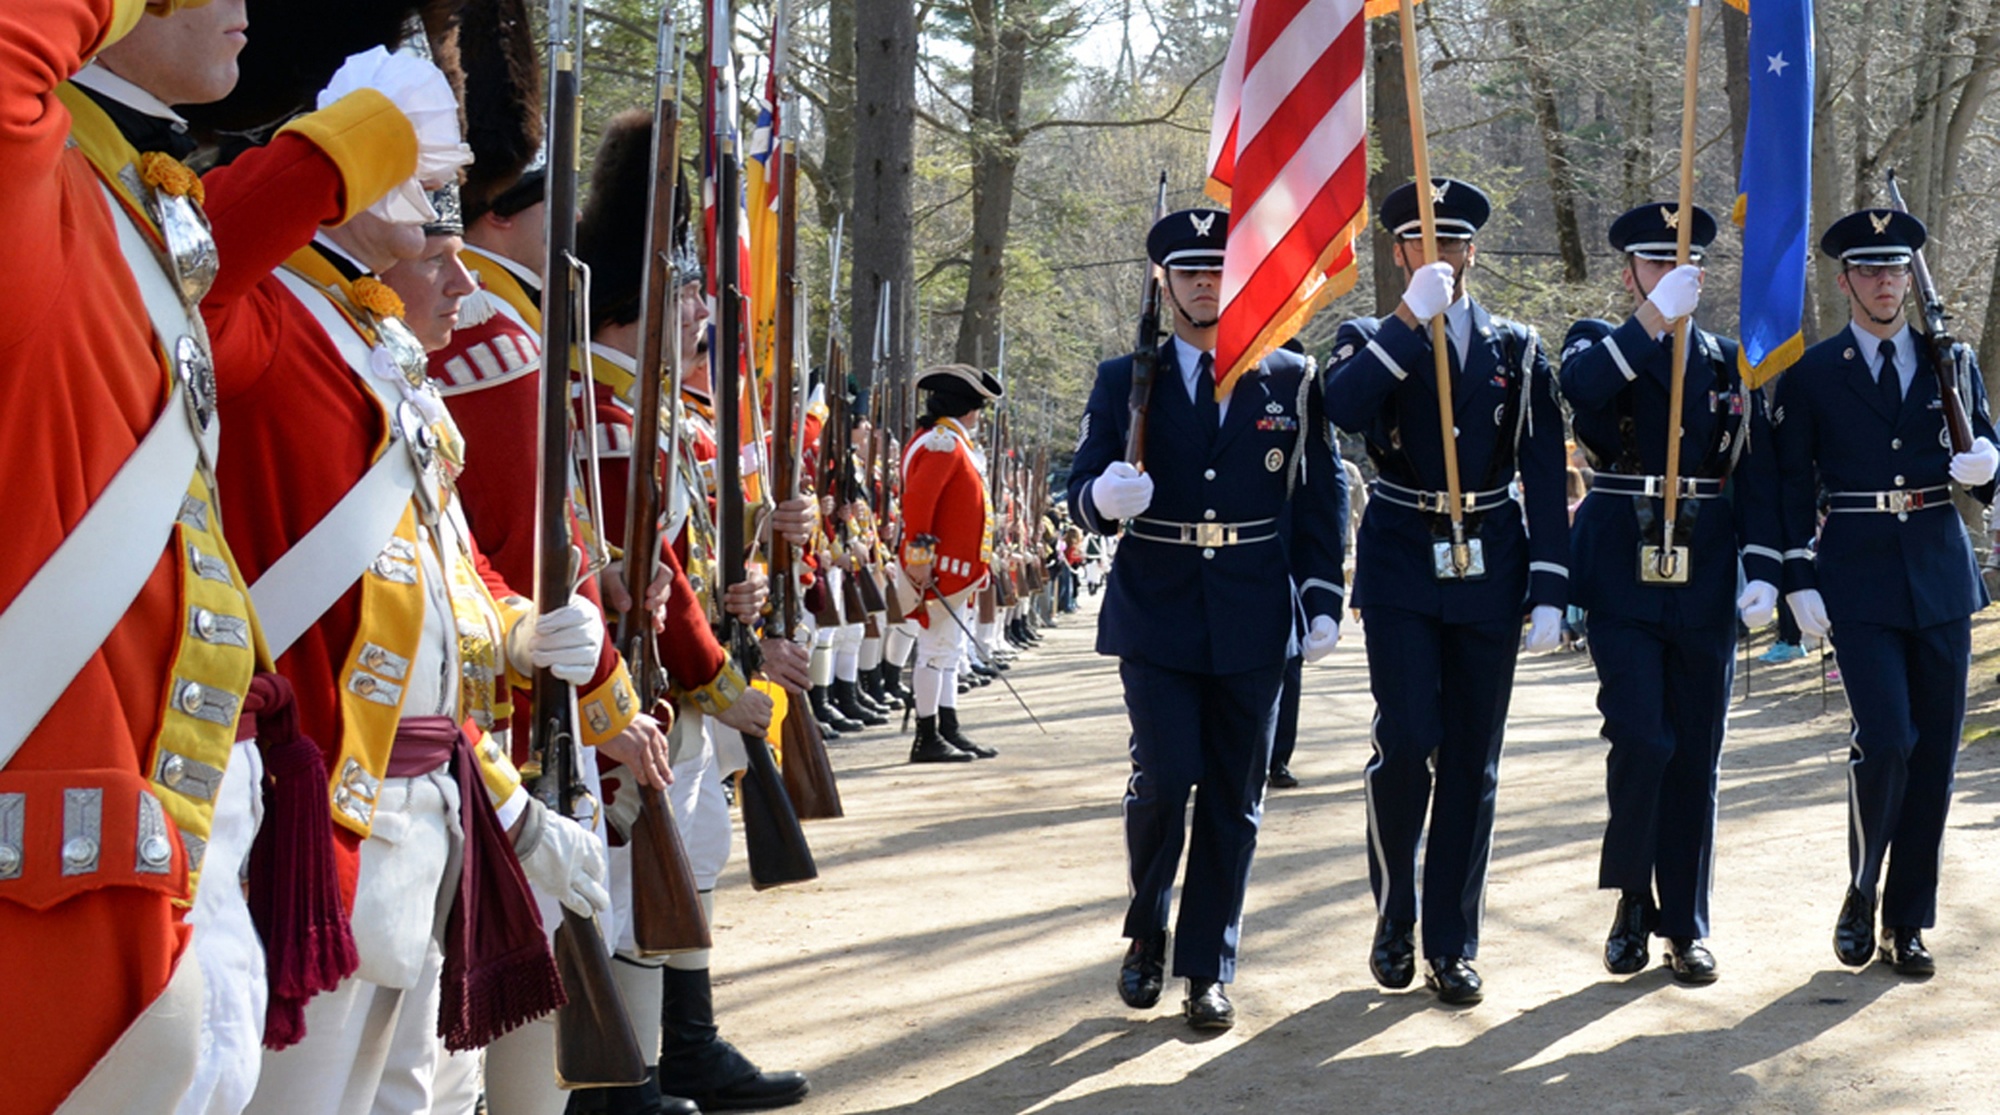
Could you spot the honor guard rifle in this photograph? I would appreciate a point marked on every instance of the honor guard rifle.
(666, 901)
(595, 1046)
(1145, 351)
(775, 843)
(1944, 347)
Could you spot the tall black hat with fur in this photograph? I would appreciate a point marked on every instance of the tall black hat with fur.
(502, 60)
(295, 46)
(611, 233)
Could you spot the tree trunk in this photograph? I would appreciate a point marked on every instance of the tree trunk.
(1391, 124)
(879, 234)
(1562, 179)
(1736, 52)
(835, 181)
(1989, 337)
(995, 132)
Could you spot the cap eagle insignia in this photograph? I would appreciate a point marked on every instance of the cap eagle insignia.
(1880, 221)
(1438, 192)
(1201, 224)
(1671, 216)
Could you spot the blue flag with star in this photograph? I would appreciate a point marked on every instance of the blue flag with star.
(1774, 201)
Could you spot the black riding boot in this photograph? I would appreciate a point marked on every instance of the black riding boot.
(696, 1062)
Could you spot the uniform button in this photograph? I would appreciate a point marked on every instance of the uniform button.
(190, 698)
(1208, 514)
(1208, 553)
(204, 623)
(1895, 443)
(79, 851)
(10, 860)
(1902, 516)
(172, 770)
(1899, 481)
(1208, 474)
(1454, 431)
(155, 851)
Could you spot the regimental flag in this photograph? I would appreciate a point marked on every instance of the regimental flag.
(1288, 153)
(1774, 202)
(760, 176)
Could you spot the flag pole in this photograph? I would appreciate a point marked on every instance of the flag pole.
(1461, 552)
(1668, 564)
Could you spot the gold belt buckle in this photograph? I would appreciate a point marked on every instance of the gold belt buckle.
(1211, 534)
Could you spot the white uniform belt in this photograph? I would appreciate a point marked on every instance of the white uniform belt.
(1206, 535)
(70, 606)
(1439, 503)
(1626, 484)
(1896, 502)
(318, 570)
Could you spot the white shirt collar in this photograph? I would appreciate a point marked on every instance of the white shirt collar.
(1188, 358)
(1869, 347)
(325, 241)
(97, 79)
(519, 271)
(617, 358)
(1458, 324)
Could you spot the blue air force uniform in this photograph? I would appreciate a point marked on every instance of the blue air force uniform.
(1441, 652)
(1200, 609)
(1895, 568)
(1665, 653)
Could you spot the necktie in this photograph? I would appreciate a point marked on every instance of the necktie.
(1888, 380)
(1204, 396)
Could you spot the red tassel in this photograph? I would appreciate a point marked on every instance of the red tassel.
(294, 887)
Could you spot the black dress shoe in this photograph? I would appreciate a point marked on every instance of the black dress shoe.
(1691, 961)
(1208, 1006)
(1144, 971)
(762, 1091)
(1282, 778)
(1454, 981)
(1904, 949)
(1854, 933)
(1625, 950)
(1393, 959)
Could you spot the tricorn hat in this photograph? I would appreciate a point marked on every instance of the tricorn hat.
(960, 381)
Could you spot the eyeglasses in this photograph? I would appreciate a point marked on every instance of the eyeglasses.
(1878, 270)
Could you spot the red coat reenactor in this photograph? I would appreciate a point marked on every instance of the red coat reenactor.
(106, 401)
(947, 548)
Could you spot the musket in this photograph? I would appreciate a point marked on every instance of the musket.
(807, 770)
(1944, 347)
(667, 914)
(1145, 350)
(775, 843)
(595, 1046)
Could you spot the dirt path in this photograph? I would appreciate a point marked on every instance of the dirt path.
(958, 952)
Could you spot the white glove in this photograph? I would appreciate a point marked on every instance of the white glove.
(1677, 292)
(1122, 491)
(1758, 603)
(1429, 291)
(1545, 629)
(1976, 465)
(1810, 610)
(567, 641)
(1322, 638)
(564, 860)
(423, 94)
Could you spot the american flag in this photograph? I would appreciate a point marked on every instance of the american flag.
(1288, 152)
